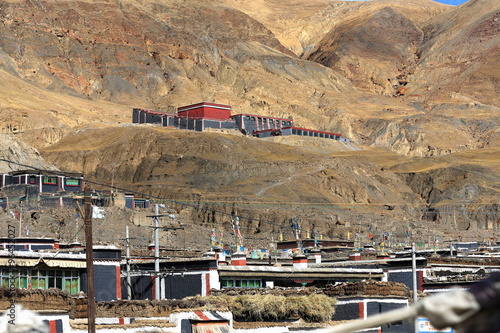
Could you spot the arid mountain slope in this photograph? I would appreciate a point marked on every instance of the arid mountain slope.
(372, 49)
(386, 50)
(460, 54)
(233, 174)
(401, 79)
(162, 54)
(334, 192)
(42, 117)
(207, 177)
(299, 25)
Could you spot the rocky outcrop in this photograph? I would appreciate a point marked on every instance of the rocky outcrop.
(16, 155)
(459, 197)
(429, 135)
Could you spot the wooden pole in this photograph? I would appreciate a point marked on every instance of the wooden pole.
(90, 262)
(415, 286)
(157, 255)
(129, 284)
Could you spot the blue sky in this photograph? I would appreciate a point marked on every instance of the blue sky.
(448, 2)
(451, 2)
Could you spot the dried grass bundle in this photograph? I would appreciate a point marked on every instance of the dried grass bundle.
(311, 308)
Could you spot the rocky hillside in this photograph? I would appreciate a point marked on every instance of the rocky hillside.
(208, 178)
(414, 85)
(21, 154)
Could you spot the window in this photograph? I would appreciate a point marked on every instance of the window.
(32, 179)
(140, 203)
(227, 283)
(18, 279)
(50, 180)
(68, 280)
(71, 282)
(39, 279)
(54, 279)
(72, 182)
(254, 283)
(241, 283)
(4, 281)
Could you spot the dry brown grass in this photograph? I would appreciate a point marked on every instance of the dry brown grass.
(310, 308)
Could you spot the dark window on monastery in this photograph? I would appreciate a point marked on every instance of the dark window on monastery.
(50, 180)
(140, 204)
(72, 182)
(32, 179)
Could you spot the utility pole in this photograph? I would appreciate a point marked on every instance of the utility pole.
(414, 274)
(157, 256)
(90, 262)
(157, 248)
(129, 284)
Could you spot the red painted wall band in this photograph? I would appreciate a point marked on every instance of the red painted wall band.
(53, 327)
(361, 307)
(153, 289)
(207, 284)
(201, 315)
(118, 283)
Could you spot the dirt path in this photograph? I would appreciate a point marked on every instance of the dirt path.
(286, 180)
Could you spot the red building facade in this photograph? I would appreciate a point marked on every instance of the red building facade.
(205, 110)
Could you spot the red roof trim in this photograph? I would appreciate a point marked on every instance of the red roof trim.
(204, 118)
(202, 104)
